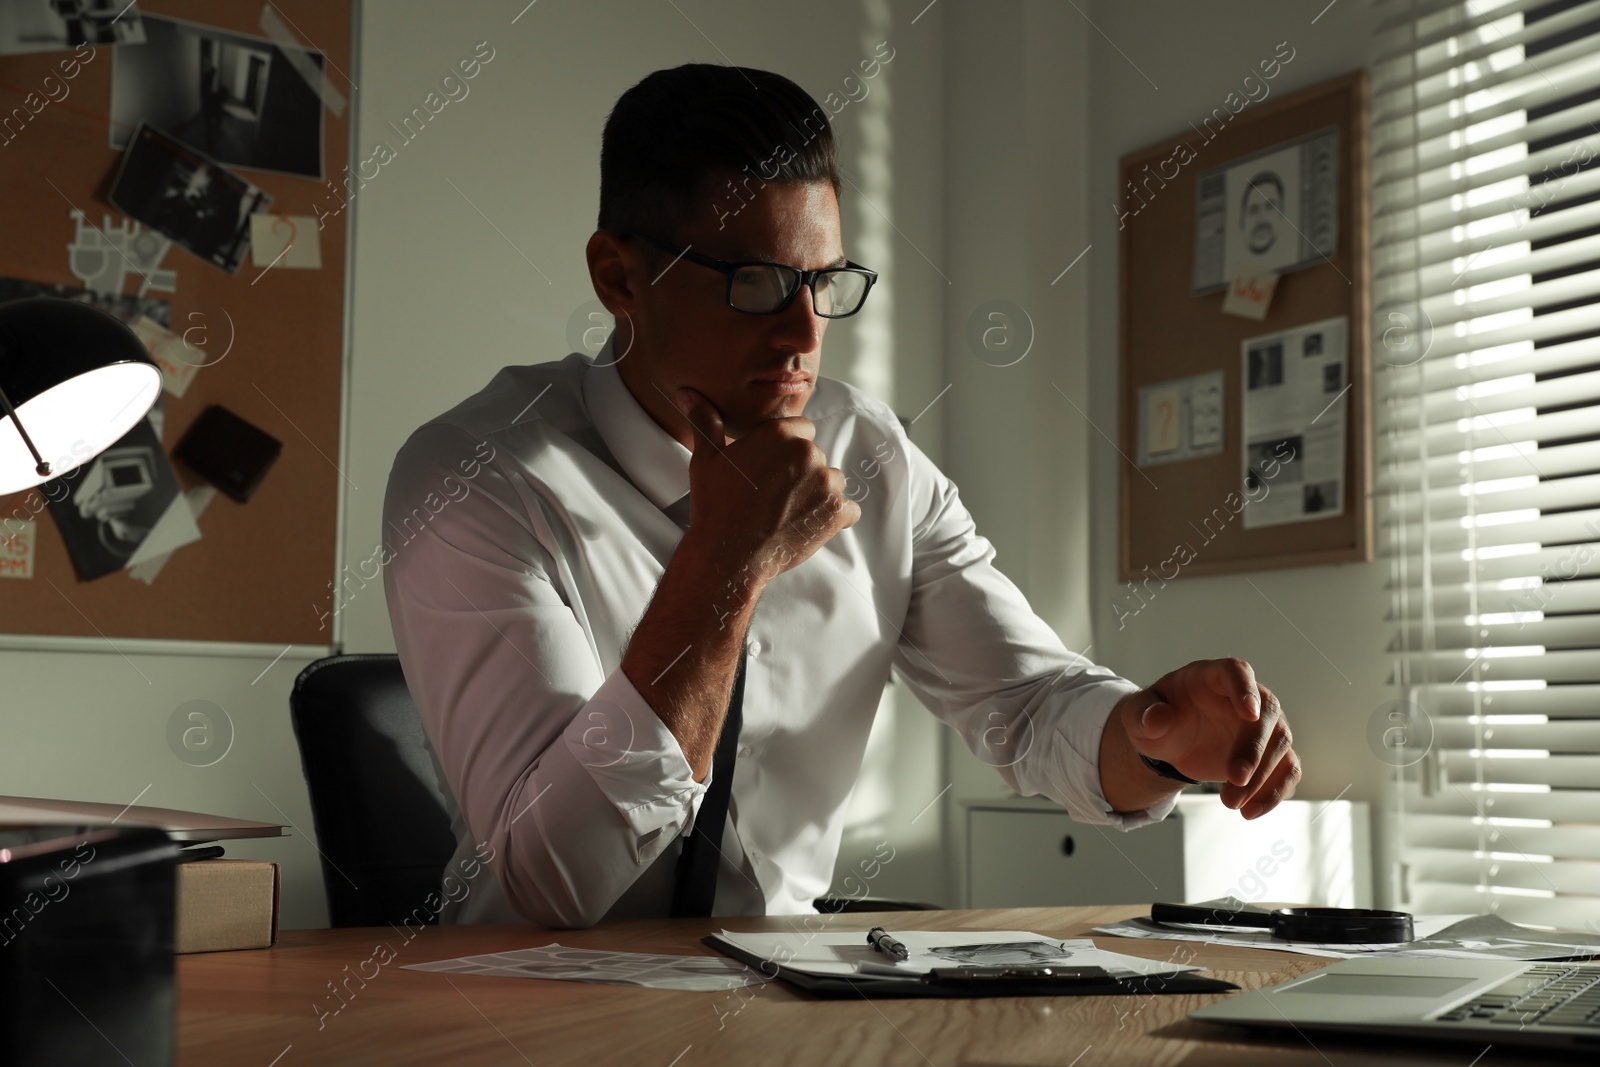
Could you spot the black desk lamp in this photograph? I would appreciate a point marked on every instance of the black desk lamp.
(73, 380)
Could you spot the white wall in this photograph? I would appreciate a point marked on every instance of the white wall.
(1017, 95)
(1326, 661)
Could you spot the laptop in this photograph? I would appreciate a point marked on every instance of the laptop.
(1501, 1002)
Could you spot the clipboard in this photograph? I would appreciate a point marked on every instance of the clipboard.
(833, 987)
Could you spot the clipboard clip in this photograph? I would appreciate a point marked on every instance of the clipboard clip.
(977, 975)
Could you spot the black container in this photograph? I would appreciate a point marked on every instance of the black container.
(86, 937)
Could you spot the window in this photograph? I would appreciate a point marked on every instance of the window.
(1486, 264)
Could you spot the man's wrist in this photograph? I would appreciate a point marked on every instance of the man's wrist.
(735, 580)
(1128, 783)
(1161, 768)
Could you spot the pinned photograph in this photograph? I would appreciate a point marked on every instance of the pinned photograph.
(1320, 497)
(1282, 456)
(187, 196)
(123, 507)
(1276, 210)
(1266, 365)
(64, 25)
(234, 97)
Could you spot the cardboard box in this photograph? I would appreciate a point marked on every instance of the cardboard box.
(226, 904)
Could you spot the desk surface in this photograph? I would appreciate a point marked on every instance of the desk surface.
(268, 1007)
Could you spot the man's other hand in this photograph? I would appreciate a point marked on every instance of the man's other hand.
(1213, 722)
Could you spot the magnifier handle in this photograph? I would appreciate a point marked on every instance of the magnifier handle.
(1188, 913)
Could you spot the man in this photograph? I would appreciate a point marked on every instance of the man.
(1259, 211)
(605, 563)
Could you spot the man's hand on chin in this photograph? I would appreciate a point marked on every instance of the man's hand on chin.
(1212, 722)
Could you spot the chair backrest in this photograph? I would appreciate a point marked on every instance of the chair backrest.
(380, 815)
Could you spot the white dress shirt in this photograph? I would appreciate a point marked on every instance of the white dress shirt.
(525, 535)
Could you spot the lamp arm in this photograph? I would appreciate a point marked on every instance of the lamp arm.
(43, 468)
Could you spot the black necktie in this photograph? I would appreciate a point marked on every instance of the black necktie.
(696, 889)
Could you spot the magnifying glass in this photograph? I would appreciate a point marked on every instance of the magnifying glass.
(1333, 926)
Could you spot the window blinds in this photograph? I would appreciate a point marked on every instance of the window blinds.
(1485, 126)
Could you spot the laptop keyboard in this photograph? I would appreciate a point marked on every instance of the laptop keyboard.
(1547, 994)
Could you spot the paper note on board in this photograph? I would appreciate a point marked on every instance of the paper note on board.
(285, 241)
(17, 539)
(1163, 418)
(147, 569)
(177, 361)
(1250, 294)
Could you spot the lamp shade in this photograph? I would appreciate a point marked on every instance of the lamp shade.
(77, 379)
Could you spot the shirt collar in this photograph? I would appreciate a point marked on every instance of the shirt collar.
(656, 463)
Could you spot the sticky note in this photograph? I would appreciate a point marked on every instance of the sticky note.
(285, 241)
(177, 361)
(1162, 430)
(16, 548)
(1250, 294)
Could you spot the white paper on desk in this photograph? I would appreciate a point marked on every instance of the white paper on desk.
(650, 970)
(848, 953)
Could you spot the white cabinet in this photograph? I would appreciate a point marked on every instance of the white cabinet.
(1023, 858)
(1028, 852)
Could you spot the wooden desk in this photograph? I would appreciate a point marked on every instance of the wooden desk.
(261, 1007)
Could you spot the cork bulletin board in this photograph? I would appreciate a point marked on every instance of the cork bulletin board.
(271, 339)
(1182, 354)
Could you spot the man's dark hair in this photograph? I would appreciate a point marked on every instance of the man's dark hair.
(1266, 177)
(672, 130)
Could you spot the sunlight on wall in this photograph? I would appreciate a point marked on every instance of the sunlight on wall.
(872, 363)
(894, 800)
(872, 208)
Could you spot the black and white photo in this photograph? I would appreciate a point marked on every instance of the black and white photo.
(1274, 460)
(62, 25)
(109, 508)
(1320, 497)
(234, 97)
(1266, 365)
(179, 192)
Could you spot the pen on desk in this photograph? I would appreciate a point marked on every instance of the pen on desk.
(210, 852)
(880, 939)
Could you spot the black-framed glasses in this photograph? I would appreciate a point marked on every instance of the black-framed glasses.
(757, 287)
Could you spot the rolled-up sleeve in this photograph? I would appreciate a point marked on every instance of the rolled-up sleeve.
(568, 773)
(975, 653)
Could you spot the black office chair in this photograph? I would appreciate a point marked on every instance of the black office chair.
(378, 808)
